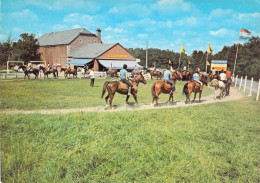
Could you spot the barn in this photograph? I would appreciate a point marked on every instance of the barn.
(79, 46)
(55, 47)
(102, 57)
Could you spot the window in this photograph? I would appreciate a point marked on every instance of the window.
(80, 41)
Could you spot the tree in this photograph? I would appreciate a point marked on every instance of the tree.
(6, 51)
(27, 48)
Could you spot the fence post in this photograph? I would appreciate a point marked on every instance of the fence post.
(241, 79)
(245, 84)
(258, 89)
(4, 76)
(16, 75)
(236, 81)
(251, 86)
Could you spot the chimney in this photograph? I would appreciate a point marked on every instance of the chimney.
(98, 33)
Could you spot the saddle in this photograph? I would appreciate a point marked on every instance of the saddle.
(122, 86)
(197, 85)
(167, 85)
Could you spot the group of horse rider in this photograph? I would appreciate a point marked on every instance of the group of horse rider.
(223, 76)
(29, 66)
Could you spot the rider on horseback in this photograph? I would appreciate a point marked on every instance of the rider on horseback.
(48, 67)
(223, 77)
(196, 77)
(29, 66)
(167, 77)
(124, 78)
(68, 67)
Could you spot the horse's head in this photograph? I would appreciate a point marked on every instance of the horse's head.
(204, 80)
(41, 68)
(140, 78)
(214, 83)
(176, 75)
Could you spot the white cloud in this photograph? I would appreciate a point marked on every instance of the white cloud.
(59, 27)
(169, 1)
(77, 17)
(142, 35)
(131, 10)
(190, 21)
(3, 37)
(17, 30)
(248, 15)
(222, 32)
(220, 13)
(24, 15)
(76, 26)
(116, 30)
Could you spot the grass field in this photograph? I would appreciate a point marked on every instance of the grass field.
(53, 94)
(207, 143)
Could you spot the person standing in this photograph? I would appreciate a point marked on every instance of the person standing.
(92, 77)
(228, 74)
(167, 76)
(124, 79)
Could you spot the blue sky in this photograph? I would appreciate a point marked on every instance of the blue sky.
(165, 24)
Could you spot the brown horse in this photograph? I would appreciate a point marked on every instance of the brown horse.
(158, 74)
(193, 86)
(164, 87)
(213, 76)
(69, 72)
(27, 73)
(229, 82)
(186, 75)
(46, 72)
(112, 73)
(116, 86)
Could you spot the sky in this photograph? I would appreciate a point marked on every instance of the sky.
(165, 24)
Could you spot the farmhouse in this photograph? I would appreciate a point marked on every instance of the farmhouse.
(79, 46)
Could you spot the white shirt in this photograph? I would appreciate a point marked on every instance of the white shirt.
(92, 74)
(222, 76)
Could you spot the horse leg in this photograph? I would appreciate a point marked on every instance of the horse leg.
(106, 98)
(126, 100)
(135, 97)
(194, 96)
(111, 96)
(200, 96)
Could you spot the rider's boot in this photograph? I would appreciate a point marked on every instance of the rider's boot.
(173, 89)
(129, 91)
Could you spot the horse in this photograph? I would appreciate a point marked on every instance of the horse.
(46, 72)
(229, 82)
(164, 87)
(158, 74)
(66, 72)
(112, 73)
(186, 75)
(117, 86)
(193, 86)
(213, 76)
(26, 72)
(218, 85)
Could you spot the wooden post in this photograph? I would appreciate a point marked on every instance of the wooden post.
(245, 84)
(251, 86)
(236, 81)
(258, 89)
(179, 61)
(16, 75)
(4, 76)
(241, 79)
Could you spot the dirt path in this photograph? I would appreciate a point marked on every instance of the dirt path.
(235, 94)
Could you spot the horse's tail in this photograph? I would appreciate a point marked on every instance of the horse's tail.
(153, 91)
(185, 89)
(104, 88)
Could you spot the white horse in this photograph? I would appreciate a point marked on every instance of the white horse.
(218, 85)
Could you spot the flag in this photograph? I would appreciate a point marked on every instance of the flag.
(170, 62)
(208, 63)
(244, 34)
(189, 63)
(182, 49)
(210, 50)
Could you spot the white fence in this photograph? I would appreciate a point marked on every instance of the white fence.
(248, 86)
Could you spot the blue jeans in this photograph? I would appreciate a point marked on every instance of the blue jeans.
(171, 82)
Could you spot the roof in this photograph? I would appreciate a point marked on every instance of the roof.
(91, 50)
(219, 61)
(61, 37)
(118, 64)
(79, 62)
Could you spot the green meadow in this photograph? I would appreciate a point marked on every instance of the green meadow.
(208, 143)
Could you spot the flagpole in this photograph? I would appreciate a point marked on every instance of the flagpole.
(206, 61)
(179, 60)
(236, 57)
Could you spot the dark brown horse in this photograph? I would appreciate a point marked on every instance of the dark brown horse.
(158, 74)
(46, 72)
(116, 86)
(193, 86)
(27, 73)
(164, 87)
(229, 82)
(186, 75)
(69, 72)
(112, 73)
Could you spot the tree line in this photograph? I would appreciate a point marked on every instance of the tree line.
(248, 58)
